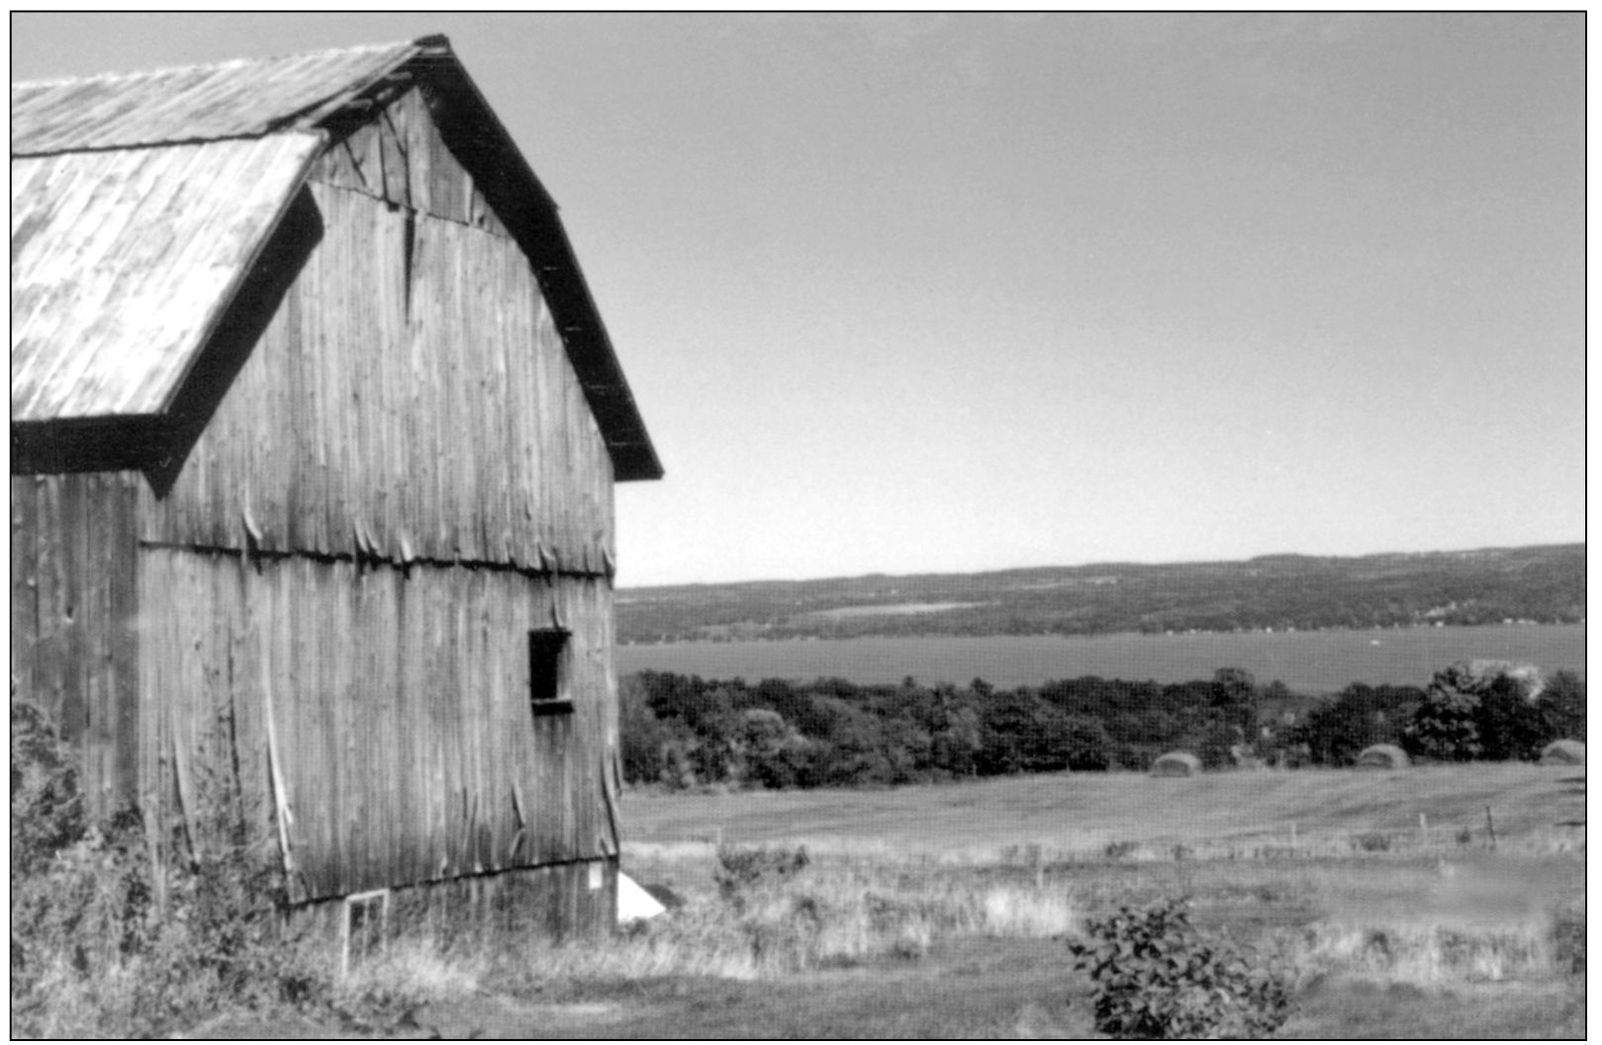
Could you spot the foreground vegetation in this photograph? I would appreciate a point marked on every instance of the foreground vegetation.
(1382, 891)
(90, 957)
(950, 911)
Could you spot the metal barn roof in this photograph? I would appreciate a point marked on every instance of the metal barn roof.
(123, 260)
(139, 202)
(245, 98)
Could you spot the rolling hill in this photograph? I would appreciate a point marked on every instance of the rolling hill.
(1543, 584)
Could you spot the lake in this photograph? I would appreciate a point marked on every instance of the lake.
(1306, 661)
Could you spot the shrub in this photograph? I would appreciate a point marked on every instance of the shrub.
(1568, 942)
(740, 869)
(46, 809)
(1372, 842)
(1158, 977)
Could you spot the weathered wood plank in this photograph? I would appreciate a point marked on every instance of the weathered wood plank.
(412, 396)
(73, 613)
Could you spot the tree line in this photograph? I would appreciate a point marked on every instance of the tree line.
(683, 731)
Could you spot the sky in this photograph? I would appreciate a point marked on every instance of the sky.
(945, 293)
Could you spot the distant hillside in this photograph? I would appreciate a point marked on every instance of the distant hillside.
(1544, 584)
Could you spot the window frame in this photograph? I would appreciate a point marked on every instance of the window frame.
(549, 671)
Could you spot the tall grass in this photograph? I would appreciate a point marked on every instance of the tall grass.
(830, 914)
(1429, 953)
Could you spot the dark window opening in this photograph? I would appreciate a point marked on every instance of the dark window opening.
(547, 671)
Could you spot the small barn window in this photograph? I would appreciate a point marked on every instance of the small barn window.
(547, 671)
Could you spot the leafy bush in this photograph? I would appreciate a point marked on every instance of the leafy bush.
(1158, 977)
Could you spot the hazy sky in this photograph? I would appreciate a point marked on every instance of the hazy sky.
(955, 292)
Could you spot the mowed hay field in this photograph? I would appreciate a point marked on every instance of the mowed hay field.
(1396, 929)
(946, 911)
(1078, 814)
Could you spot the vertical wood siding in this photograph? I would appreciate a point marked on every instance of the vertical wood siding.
(400, 709)
(411, 399)
(556, 901)
(401, 158)
(74, 619)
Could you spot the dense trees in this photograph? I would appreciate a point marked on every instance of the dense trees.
(681, 731)
(1495, 711)
(1336, 731)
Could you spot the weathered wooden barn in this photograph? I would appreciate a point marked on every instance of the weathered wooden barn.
(315, 427)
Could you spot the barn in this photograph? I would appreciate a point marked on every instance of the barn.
(315, 427)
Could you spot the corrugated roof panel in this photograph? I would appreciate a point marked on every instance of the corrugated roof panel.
(122, 262)
(194, 103)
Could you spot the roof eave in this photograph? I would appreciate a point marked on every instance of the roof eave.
(486, 150)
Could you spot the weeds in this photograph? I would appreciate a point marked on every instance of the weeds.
(1568, 942)
(91, 955)
(741, 869)
(1430, 953)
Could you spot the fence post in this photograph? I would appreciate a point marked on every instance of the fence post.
(1490, 828)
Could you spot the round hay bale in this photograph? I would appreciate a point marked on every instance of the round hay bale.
(1563, 753)
(1176, 763)
(1383, 756)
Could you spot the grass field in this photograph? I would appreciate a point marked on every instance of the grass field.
(944, 911)
(1079, 814)
(1401, 927)
(1308, 662)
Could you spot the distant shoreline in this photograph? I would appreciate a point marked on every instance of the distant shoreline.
(1381, 629)
(1321, 661)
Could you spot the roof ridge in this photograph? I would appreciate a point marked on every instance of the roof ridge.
(421, 42)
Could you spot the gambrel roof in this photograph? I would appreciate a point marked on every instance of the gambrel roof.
(139, 203)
